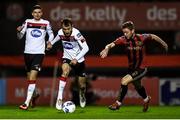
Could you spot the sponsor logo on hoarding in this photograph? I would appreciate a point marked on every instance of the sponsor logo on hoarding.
(170, 92)
(103, 16)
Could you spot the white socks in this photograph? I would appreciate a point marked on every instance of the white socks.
(30, 91)
(61, 89)
(146, 99)
(119, 103)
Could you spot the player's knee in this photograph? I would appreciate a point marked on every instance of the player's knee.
(65, 73)
(124, 82)
(82, 88)
(82, 84)
(36, 67)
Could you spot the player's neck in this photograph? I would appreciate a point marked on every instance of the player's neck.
(37, 19)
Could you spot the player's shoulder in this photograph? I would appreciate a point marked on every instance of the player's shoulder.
(144, 35)
(121, 38)
(45, 21)
(60, 32)
(41, 21)
(75, 30)
(138, 34)
(28, 20)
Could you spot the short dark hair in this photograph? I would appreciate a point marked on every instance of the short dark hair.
(36, 7)
(66, 22)
(128, 24)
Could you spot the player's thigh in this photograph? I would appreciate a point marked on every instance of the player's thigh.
(138, 73)
(28, 62)
(28, 75)
(65, 69)
(137, 76)
(82, 81)
(79, 69)
(33, 75)
(137, 84)
(37, 60)
(126, 79)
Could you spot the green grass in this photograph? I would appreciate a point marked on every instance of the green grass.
(91, 112)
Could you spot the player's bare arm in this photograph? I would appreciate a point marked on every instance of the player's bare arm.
(159, 40)
(105, 51)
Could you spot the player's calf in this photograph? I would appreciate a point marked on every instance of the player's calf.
(34, 100)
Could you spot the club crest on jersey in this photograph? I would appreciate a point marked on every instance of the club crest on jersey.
(36, 33)
(43, 27)
(67, 45)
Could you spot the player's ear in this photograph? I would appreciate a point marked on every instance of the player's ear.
(61, 21)
(133, 30)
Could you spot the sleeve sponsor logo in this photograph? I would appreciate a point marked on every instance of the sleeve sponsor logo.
(79, 35)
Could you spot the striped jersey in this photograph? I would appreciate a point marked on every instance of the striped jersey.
(35, 35)
(74, 46)
(134, 48)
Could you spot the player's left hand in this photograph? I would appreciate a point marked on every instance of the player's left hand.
(19, 28)
(166, 47)
(49, 46)
(73, 62)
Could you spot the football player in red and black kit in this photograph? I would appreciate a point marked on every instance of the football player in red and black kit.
(134, 44)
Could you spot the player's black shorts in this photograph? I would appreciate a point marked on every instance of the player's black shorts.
(137, 73)
(33, 61)
(79, 68)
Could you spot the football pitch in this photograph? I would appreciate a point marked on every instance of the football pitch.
(91, 112)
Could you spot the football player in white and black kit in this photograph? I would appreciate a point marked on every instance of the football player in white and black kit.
(74, 50)
(35, 30)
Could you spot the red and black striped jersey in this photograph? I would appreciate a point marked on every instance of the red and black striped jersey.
(134, 48)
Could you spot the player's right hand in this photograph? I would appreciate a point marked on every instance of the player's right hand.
(104, 53)
(19, 28)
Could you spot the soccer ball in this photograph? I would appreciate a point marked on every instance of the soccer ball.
(69, 107)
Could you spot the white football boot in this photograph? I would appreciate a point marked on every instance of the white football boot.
(59, 104)
(82, 99)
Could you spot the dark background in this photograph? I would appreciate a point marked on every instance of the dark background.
(11, 46)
